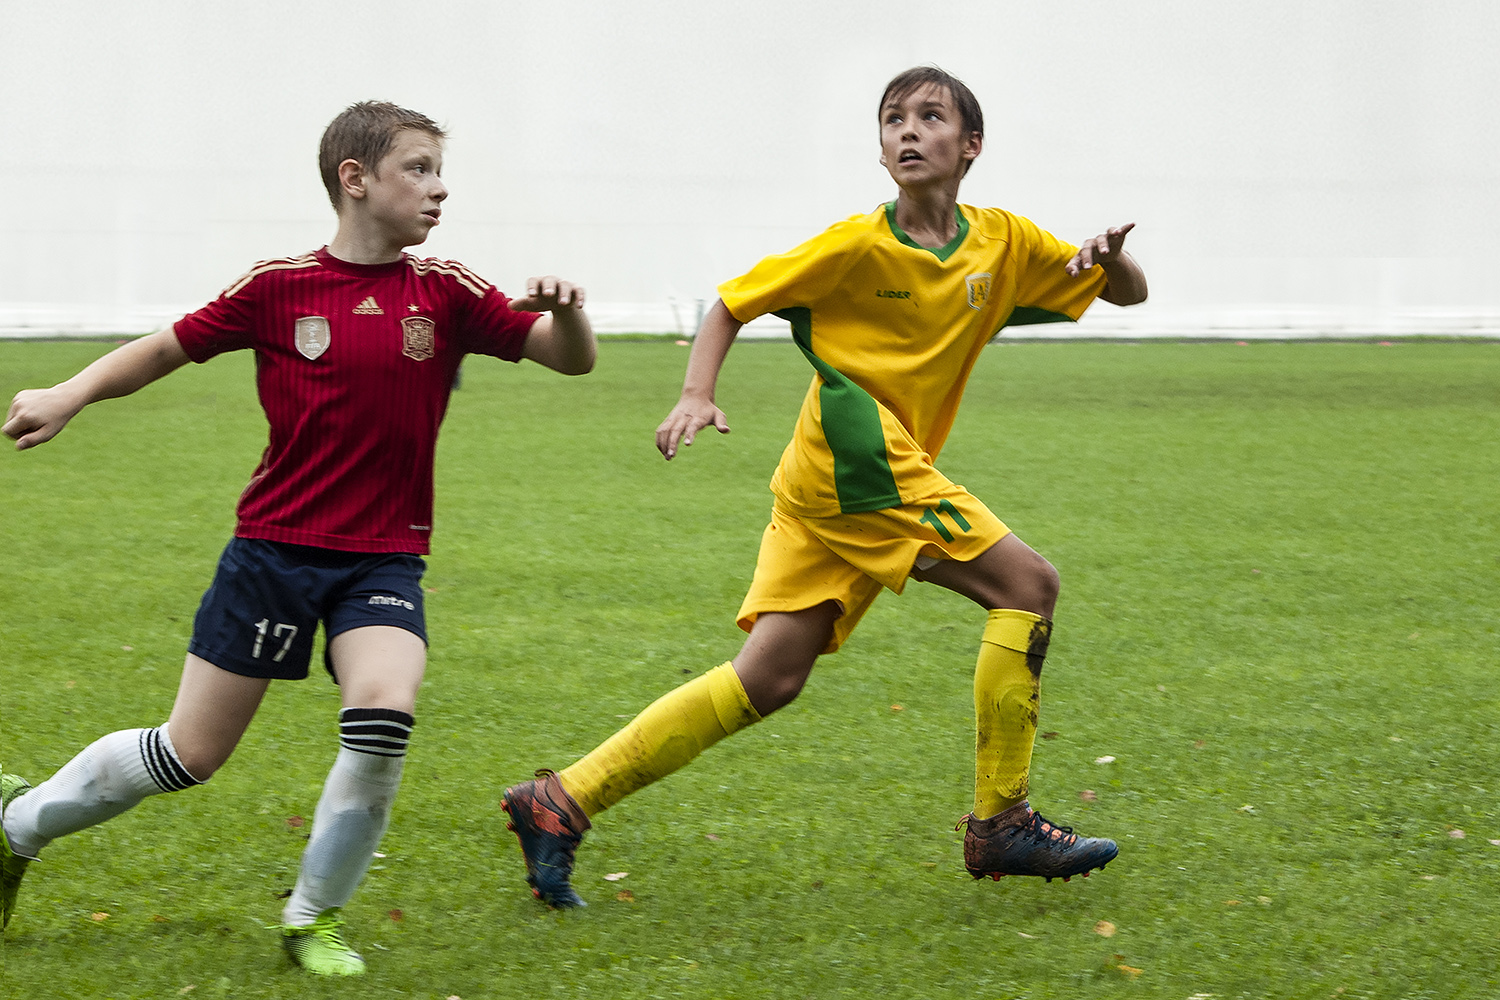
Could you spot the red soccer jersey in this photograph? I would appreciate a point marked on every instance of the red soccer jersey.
(354, 364)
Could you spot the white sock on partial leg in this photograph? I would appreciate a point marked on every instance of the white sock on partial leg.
(107, 777)
(352, 812)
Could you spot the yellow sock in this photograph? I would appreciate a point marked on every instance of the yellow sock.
(1007, 688)
(672, 730)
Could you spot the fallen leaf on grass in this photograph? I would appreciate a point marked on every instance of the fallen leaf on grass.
(898, 708)
(1051, 736)
(1199, 744)
(1457, 834)
(625, 896)
(710, 836)
(128, 649)
(98, 918)
(1246, 808)
(929, 864)
(1130, 971)
(396, 915)
(1105, 929)
(1495, 842)
(1029, 937)
(615, 876)
(294, 821)
(1162, 688)
(1089, 795)
(71, 684)
(187, 989)
(1106, 759)
(1263, 900)
(1231, 902)
(680, 343)
(159, 919)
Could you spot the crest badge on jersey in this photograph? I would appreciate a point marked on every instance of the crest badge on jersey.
(418, 337)
(313, 336)
(979, 289)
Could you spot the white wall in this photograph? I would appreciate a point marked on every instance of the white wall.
(1327, 165)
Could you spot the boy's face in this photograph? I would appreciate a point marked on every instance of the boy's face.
(922, 138)
(405, 193)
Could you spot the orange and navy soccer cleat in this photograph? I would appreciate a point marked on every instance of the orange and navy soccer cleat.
(550, 826)
(1020, 842)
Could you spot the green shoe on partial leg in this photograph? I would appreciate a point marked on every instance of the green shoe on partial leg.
(12, 865)
(320, 947)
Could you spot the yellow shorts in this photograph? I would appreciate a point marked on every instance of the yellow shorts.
(805, 561)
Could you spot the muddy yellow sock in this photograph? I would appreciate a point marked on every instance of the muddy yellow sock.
(1006, 692)
(672, 730)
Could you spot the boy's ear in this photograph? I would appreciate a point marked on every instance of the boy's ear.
(974, 146)
(352, 179)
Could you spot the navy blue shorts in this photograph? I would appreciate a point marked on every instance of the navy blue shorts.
(259, 615)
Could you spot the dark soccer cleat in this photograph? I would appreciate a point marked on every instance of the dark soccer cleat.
(1020, 842)
(550, 826)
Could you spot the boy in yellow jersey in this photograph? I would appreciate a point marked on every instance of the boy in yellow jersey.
(892, 310)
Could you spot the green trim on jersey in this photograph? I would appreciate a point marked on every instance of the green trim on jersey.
(1031, 315)
(942, 252)
(851, 425)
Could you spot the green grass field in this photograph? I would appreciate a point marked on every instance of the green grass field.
(1280, 618)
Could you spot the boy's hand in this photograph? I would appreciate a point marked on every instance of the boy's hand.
(549, 294)
(36, 415)
(1102, 249)
(688, 417)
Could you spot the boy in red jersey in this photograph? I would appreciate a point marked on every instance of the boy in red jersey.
(891, 309)
(356, 349)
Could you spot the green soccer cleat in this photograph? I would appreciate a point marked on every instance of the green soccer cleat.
(12, 865)
(320, 947)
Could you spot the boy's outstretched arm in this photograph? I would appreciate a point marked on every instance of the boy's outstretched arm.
(696, 409)
(36, 415)
(563, 339)
(1127, 282)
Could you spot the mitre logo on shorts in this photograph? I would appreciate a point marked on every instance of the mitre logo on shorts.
(418, 335)
(979, 289)
(313, 336)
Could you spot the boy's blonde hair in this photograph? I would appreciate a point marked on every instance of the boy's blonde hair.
(366, 132)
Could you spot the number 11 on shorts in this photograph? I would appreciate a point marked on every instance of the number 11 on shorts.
(290, 631)
(931, 517)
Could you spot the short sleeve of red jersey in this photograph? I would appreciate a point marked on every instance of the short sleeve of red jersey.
(800, 277)
(225, 324)
(491, 326)
(1042, 282)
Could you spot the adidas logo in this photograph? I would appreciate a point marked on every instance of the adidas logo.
(368, 308)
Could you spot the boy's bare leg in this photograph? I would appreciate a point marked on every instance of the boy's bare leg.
(212, 711)
(779, 653)
(379, 669)
(1010, 574)
(1005, 836)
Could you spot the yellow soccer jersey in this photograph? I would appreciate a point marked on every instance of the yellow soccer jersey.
(893, 330)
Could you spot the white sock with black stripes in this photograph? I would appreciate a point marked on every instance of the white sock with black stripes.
(106, 778)
(352, 812)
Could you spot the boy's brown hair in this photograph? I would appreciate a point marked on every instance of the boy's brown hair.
(366, 132)
(971, 117)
